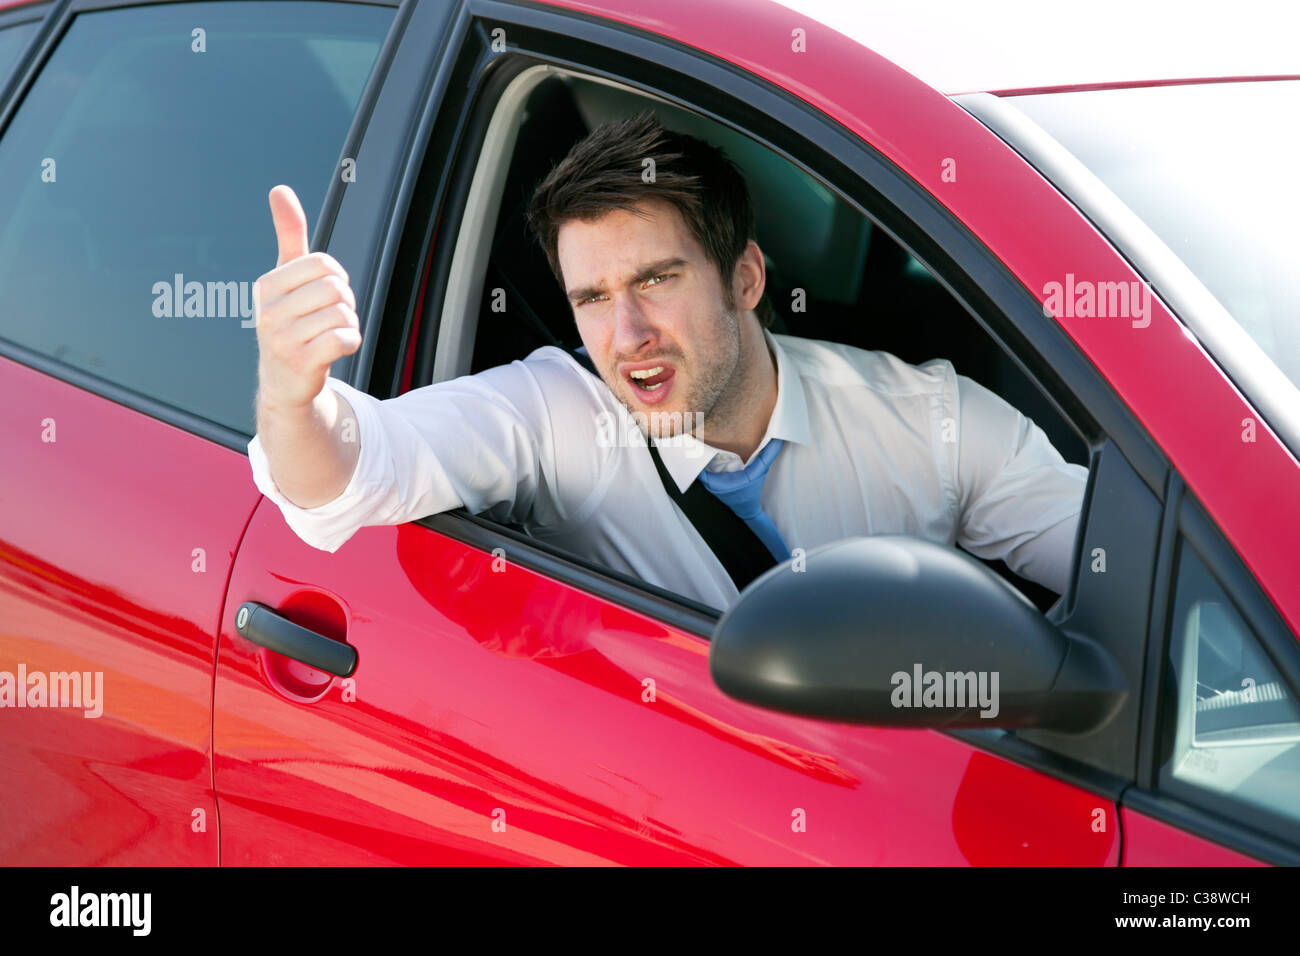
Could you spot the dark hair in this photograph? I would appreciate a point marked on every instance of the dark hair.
(607, 170)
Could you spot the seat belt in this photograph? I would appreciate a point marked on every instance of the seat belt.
(733, 542)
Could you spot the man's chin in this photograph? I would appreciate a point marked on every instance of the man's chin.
(662, 423)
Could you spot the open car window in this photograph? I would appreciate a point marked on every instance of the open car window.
(832, 273)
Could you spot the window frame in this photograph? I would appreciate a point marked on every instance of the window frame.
(36, 13)
(57, 19)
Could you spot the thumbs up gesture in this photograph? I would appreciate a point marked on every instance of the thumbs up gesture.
(305, 313)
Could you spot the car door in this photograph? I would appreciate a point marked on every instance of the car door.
(137, 150)
(511, 704)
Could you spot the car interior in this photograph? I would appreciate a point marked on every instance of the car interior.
(860, 286)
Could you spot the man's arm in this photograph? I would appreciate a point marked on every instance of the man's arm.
(1019, 500)
(335, 459)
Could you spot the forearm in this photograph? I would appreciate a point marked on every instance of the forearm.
(312, 449)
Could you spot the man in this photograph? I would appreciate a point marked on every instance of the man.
(666, 283)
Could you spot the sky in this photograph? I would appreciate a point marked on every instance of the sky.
(961, 46)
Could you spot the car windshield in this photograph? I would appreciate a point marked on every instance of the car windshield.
(1210, 167)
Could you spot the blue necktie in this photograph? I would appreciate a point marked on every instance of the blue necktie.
(741, 490)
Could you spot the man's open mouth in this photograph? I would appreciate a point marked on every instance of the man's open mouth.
(650, 379)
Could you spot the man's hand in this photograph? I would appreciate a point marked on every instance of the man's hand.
(306, 319)
(305, 313)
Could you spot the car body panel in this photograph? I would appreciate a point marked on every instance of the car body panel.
(485, 692)
(117, 543)
(1149, 842)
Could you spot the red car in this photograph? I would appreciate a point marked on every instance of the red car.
(1108, 247)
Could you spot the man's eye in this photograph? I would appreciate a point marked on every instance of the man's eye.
(655, 280)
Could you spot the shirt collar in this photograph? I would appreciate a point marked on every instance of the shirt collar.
(686, 456)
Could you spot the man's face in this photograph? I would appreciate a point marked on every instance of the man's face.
(651, 310)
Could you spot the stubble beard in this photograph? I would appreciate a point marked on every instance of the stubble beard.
(712, 396)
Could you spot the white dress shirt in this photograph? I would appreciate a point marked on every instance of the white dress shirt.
(873, 446)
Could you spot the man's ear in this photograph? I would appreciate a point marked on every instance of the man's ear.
(750, 277)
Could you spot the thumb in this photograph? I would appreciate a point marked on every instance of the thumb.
(290, 224)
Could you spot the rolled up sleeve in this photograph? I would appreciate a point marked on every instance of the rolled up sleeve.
(368, 491)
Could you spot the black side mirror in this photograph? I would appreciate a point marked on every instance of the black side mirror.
(896, 631)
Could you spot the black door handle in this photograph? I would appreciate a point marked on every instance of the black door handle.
(261, 625)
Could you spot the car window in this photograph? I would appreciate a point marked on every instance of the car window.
(835, 277)
(13, 40)
(137, 167)
(870, 293)
(1234, 722)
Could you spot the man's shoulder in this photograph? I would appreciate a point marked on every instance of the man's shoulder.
(835, 364)
(546, 383)
(552, 369)
(551, 358)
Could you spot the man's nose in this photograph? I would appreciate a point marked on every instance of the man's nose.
(633, 331)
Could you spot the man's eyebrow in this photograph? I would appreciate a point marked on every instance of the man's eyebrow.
(646, 272)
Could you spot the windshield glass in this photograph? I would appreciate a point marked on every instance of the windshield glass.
(1212, 169)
